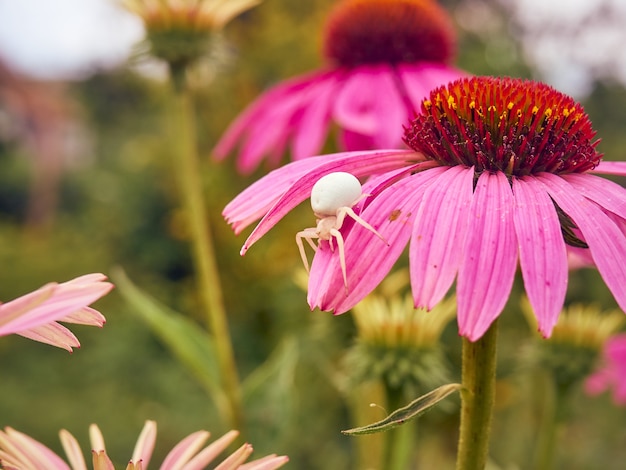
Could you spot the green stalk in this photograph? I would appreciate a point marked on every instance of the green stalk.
(186, 165)
(400, 441)
(555, 407)
(477, 399)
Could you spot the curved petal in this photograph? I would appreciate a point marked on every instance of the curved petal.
(53, 334)
(145, 444)
(438, 234)
(368, 259)
(210, 452)
(184, 450)
(490, 256)
(603, 192)
(420, 78)
(610, 168)
(72, 450)
(605, 239)
(357, 163)
(369, 103)
(29, 452)
(543, 255)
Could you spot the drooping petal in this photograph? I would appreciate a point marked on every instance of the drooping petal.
(610, 168)
(312, 127)
(145, 444)
(185, 450)
(53, 334)
(543, 255)
(438, 234)
(368, 259)
(357, 163)
(377, 115)
(490, 256)
(29, 453)
(603, 192)
(421, 77)
(605, 239)
(85, 316)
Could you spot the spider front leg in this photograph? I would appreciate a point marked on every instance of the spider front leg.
(308, 234)
(341, 215)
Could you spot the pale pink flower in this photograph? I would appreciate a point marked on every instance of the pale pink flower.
(500, 172)
(612, 373)
(36, 315)
(18, 451)
(383, 57)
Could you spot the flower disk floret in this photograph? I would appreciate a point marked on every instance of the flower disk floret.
(465, 220)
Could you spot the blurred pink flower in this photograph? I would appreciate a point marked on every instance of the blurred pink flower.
(19, 452)
(35, 315)
(612, 373)
(385, 56)
(500, 170)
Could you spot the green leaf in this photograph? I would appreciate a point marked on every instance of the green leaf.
(414, 409)
(190, 344)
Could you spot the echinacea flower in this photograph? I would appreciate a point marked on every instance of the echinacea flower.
(19, 451)
(612, 372)
(383, 57)
(36, 315)
(500, 170)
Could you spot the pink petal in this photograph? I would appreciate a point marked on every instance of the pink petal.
(438, 232)
(145, 444)
(490, 256)
(603, 192)
(270, 462)
(312, 127)
(53, 334)
(368, 259)
(420, 78)
(543, 256)
(611, 168)
(362, 107)
(85, 316)
(30, 452)
(210, 452)
(606, 241)
(184, 451)
(72, 450)
(357, 163)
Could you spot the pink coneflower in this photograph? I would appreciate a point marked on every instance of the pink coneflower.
(35, 315)
(19, 451)
(384, 56)
(500, 172)
(612, 373)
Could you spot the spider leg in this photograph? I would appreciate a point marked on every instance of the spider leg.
(348, 211)
(308, 235)
(342, 255)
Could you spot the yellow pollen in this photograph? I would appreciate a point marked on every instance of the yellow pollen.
(535, 110)
(519, 113)
(491, 108)
(510, 106)
(566, 112)
(472, 104)
(548, 112)
(451, 102)
(428, 104)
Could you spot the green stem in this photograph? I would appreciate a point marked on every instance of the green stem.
(477, 399)
(186, 164)
(553, 415)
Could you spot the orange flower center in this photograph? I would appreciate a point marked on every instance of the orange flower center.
(389, 31)
(516, 126)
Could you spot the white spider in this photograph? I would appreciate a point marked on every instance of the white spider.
(332, 199)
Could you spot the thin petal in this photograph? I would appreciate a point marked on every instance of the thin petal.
(543, 255)
(53, 334)
(209, 453)
(357, 163)
(422, 77)
(610, 168)
(605, 239)
(234, 460)
(368, 259)
(72, 450)
(184, 451)
(30, 452)
(490, 256)
(438, 234)
(101, 461)
(145, 444)
(603, 192)
(270, 462)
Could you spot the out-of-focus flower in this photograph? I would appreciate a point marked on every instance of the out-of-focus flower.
(19, 452)
(179, 31)
(36, 315)
(612, 373)
(397, 343)
(384, 57)
(500, 171)
(576, 342)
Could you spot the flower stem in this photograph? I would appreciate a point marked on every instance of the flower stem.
(477, 399)
(400, 442)
(187, 167)
(555, 407)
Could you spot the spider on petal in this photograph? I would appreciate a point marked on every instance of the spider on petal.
(332, 198)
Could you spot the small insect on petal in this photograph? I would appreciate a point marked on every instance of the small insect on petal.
(335, 190)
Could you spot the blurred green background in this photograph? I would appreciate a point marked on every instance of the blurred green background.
(117, 207)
